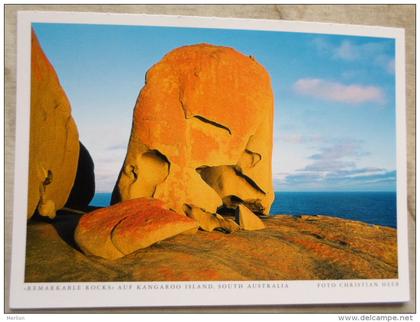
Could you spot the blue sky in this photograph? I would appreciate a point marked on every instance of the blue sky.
(334, 127)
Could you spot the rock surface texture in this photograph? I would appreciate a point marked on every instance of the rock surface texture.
(247, 219)
(209, 222)
(54, 139)
(116, 231)
(295, 248)
(202, 133)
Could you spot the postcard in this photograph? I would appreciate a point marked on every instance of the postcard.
(185, 161)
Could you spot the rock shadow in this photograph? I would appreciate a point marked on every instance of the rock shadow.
(65, 223)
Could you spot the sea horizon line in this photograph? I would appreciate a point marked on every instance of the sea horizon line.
(308, 191)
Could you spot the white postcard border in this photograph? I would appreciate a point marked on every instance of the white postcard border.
(143, 294)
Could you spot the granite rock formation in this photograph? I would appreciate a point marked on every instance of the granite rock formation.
(54, 139)
(202, 134)
(295, 248)
(209, 222)
(247, 219)
(116, 231)
(84, 185)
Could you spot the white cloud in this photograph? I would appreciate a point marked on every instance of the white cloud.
(386, 62)
(375, 52)
(351, 51)
(334, 167)
(106, 174)
(347, 51)
(338, 92)
(297, 138)
(108, 158)
(390, 66)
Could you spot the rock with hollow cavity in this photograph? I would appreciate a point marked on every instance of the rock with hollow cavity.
(119, 230)
(54, 139)
(202, 133)
(247, 219)
(209, 222)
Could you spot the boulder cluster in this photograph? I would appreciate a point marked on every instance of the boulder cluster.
(199, 155)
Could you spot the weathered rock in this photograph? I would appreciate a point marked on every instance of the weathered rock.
(116, 231)
(202, 133)
(227, 224)
(54, 139)
(47, 208)
(206, 220)
(305, 248)
(84, 185)
(148, 227)
(209, 222)
(247, 219)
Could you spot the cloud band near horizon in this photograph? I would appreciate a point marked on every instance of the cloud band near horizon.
(337, 92)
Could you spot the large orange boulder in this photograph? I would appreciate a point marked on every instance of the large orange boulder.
(54, 139)
(202, 133)
(119, 230)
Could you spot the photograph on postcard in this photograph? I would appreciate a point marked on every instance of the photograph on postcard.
(178, 154)
(249, 155)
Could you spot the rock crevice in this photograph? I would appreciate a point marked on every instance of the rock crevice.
(205, 120)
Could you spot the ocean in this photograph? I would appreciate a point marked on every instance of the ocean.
(378, 208)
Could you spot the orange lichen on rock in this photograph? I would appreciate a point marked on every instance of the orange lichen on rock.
(54, 139)
(204, 124)
(116, 231)
(295, 248)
